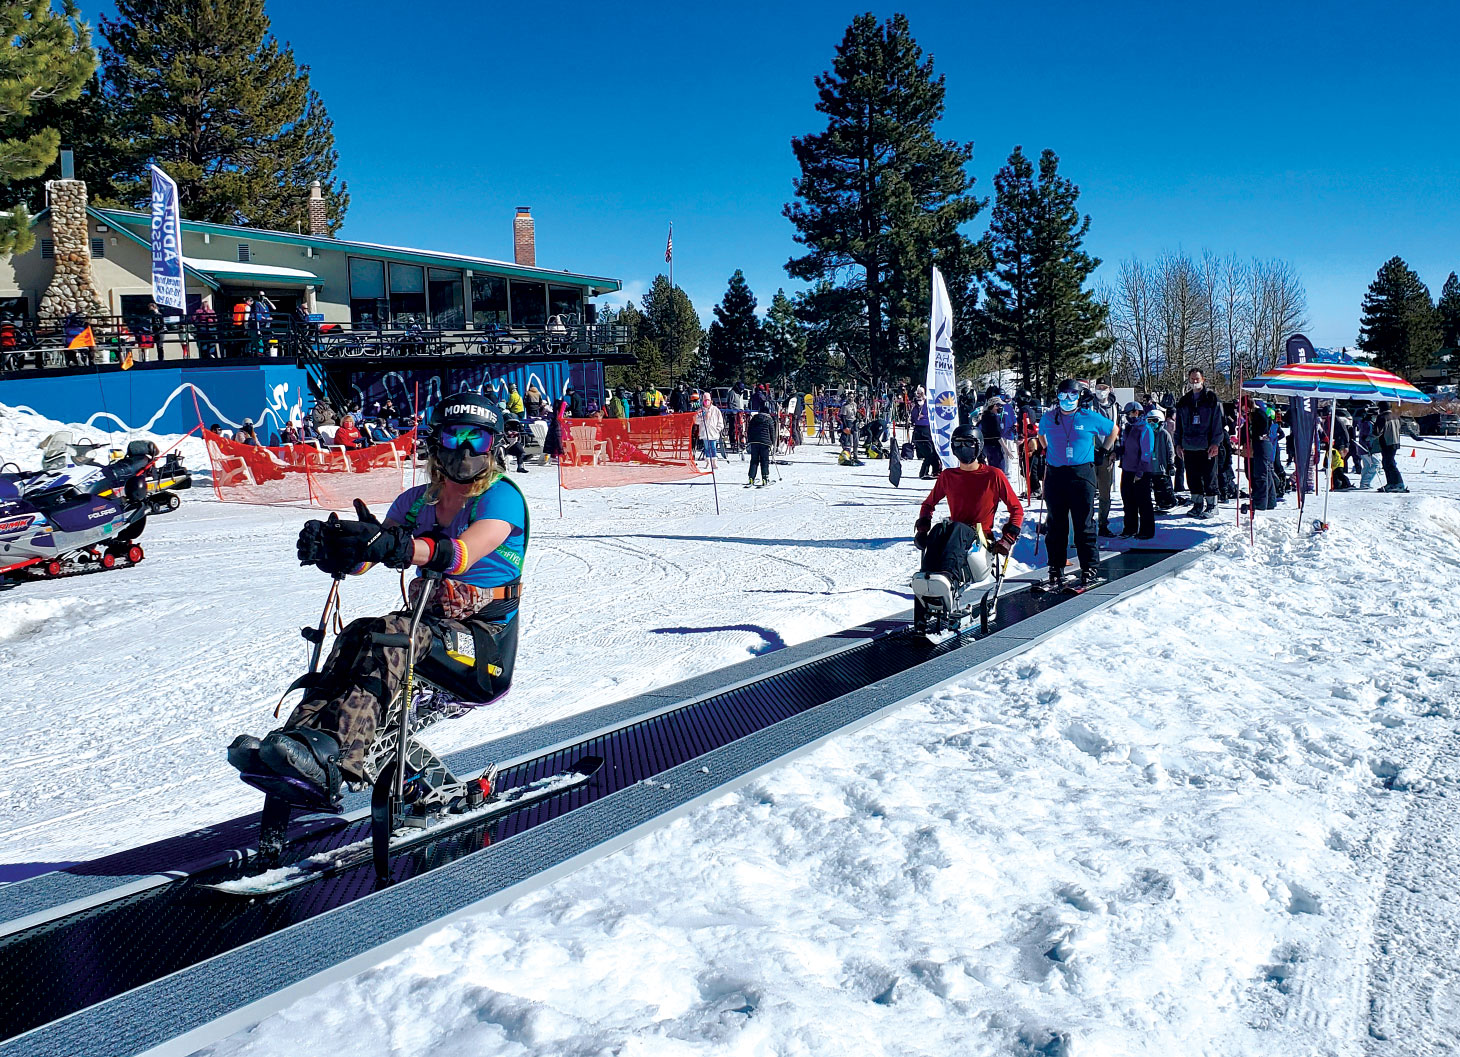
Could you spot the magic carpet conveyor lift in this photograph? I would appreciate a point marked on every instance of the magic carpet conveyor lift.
(133, 954)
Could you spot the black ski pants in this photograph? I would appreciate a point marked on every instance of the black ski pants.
(1392, 477)
(1139, 504)
(1070, 493)
(1201, 472)
(760, 455)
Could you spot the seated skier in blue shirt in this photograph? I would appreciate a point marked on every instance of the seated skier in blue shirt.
(470, 526)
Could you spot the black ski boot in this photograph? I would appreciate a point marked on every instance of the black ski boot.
(243, 754)
(306, 765)
(1091, 577)
(1056, 581)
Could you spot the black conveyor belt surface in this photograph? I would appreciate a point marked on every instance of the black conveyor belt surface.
(62, 966)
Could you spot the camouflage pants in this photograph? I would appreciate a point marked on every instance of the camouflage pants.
(357, 684)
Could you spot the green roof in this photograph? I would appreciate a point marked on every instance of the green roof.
(602, 284)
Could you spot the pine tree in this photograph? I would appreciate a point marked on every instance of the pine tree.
(1449, 309)
(672, 327)
(1039, 311)
(735, 344)
(224, 110)
(785, 340)
(46, 56)
(1400, 326)
(881, 198)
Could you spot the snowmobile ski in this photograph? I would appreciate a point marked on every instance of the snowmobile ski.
(361, 853)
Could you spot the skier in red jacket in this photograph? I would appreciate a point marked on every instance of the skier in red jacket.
(974, 491)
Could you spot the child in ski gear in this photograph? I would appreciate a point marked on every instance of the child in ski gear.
(759, 437)
(711, 424)
(468, 527)
(1068, 435)
(974, 491)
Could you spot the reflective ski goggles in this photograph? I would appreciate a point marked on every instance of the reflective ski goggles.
(473, 438)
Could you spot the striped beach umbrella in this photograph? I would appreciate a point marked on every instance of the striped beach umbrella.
(1341, 381)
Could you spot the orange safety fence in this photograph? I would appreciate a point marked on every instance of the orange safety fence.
(608, 452)
(314, 473)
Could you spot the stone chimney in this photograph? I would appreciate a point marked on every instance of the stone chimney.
(72, 288)
(318, 219)
(524, 242)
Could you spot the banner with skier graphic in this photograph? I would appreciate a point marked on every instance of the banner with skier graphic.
(167, 259)
(942, 386)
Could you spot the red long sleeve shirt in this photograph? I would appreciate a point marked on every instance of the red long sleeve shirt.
(973, 497)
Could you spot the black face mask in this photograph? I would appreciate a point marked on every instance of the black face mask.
(965, 452)
(462, 465)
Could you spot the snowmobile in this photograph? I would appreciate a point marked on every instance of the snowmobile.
(425, 795)
(69, 519)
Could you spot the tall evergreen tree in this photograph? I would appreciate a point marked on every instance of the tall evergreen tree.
(735, 344)
(1449, 309)
(45, 55)
(1038, 310)
(835, 331)
(1400, 326)
(880, 197)
(671, 325)
(222, 107)
(785, 340)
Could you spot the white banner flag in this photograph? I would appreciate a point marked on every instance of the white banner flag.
(167, 260)
(942, 386)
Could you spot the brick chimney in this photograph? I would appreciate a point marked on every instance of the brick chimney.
(318, 219)
(524, 242)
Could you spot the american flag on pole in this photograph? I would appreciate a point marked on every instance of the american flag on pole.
(669, 246)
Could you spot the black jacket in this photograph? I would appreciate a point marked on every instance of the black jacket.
(759, 431)
(1199, 421)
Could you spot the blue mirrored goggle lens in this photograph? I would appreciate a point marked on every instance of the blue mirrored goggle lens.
(477, 441)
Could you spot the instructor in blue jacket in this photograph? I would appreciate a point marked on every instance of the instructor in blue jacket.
(1069, 433)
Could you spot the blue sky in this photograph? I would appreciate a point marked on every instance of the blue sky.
(1325, 134)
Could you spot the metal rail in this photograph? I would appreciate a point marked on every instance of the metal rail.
(133, 972)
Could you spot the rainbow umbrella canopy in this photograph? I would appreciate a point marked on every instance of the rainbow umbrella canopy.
(1338, 378)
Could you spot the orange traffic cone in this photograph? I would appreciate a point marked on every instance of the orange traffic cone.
(1413, 452)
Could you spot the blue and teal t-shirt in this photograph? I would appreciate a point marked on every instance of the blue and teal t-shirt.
(1072, 438)
(501, 502)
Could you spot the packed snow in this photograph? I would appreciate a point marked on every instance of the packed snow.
(1194, 823)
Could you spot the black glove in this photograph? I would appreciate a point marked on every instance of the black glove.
(337, 546)
(920, 532)
(1005, 543)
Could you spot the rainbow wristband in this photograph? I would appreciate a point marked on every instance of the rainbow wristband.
(357, 570)
(461, 560)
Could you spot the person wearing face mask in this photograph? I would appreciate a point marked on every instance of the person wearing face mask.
(1068, 434)
(1105, 403)
(1199, 427)
(1137, 468)
(974, 491)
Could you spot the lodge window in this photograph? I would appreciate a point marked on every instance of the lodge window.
(566, 301)
(367, 291)
(529, 303)
(407, 294)
(488, 300)
(444, 289)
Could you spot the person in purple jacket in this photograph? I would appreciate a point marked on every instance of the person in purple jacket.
(1137, 467)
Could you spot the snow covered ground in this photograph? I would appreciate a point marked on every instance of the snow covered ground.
(1196, 823)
